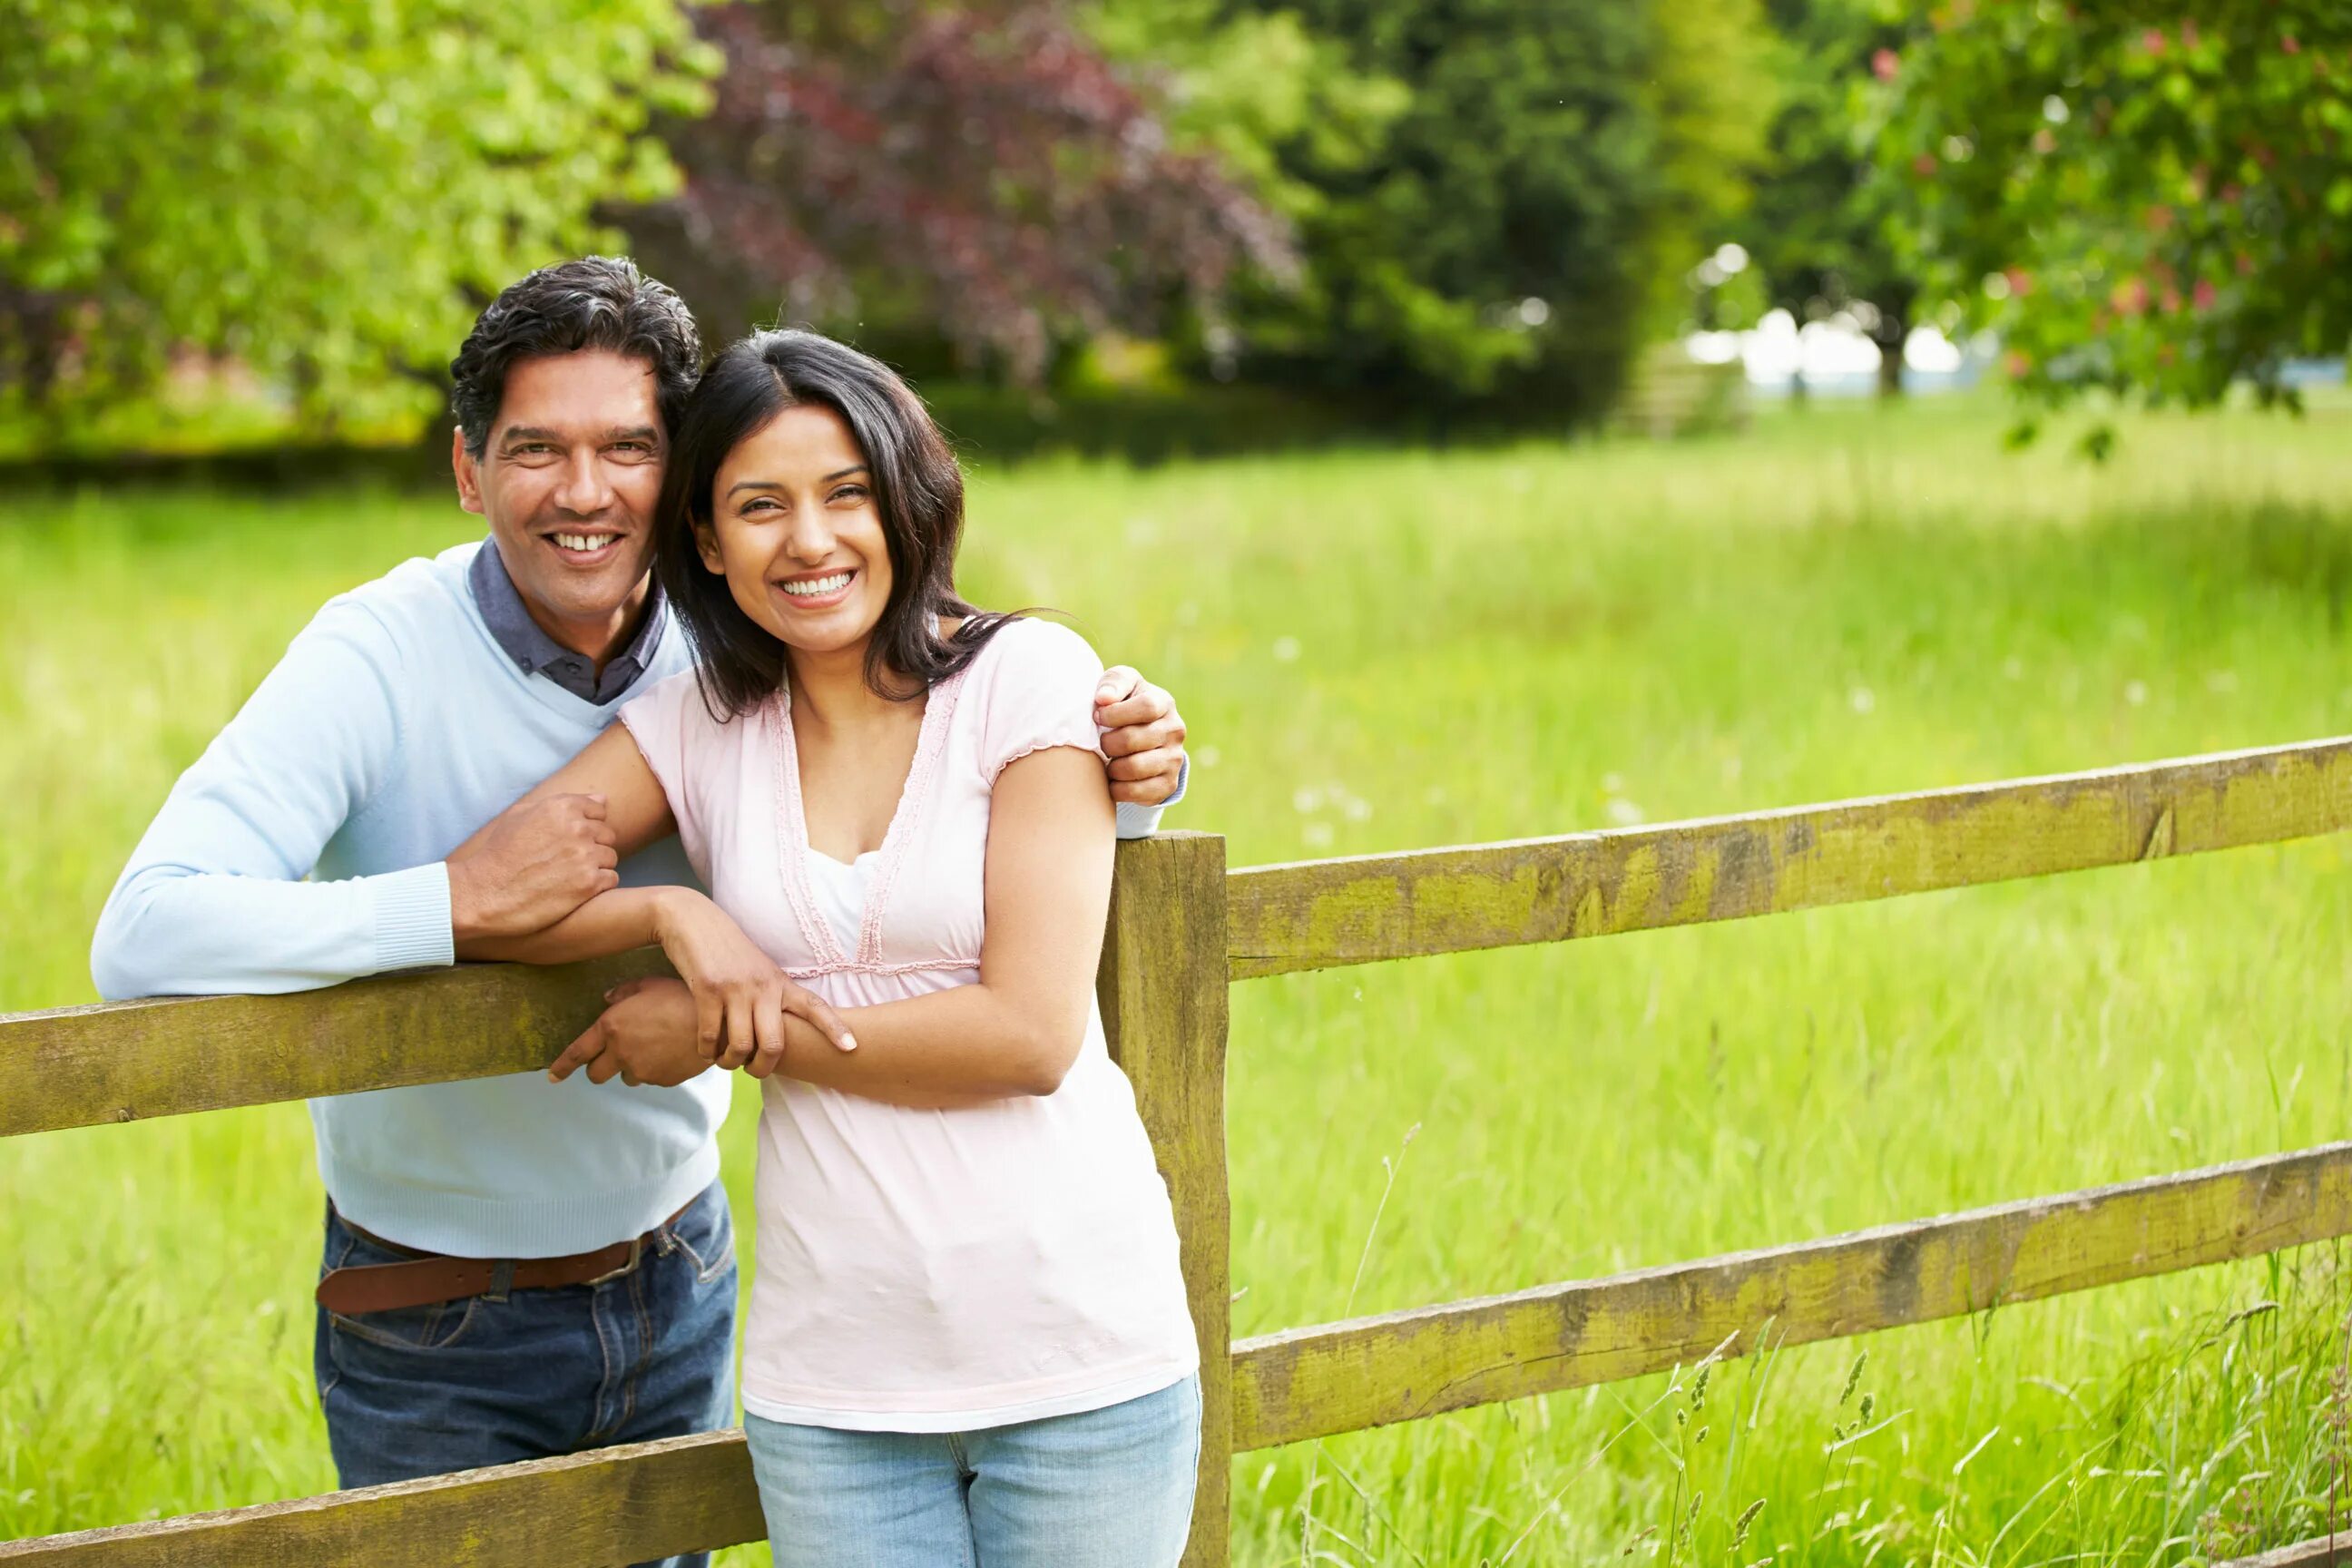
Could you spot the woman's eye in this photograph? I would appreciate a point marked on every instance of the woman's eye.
(850, 493)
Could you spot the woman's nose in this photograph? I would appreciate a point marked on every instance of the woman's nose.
(809, 539)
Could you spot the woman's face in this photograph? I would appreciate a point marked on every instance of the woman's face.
(795, 531)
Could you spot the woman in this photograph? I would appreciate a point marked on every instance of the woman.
(968, 1340)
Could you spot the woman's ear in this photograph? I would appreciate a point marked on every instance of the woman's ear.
(706, 545)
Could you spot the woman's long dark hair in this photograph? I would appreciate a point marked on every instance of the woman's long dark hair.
(917, 489)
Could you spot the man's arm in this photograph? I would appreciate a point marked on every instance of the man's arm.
(214, 901)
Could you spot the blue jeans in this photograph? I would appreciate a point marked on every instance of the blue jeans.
(534, 1374)
(1102, 1488)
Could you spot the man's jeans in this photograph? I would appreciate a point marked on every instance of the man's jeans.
(534, 1374)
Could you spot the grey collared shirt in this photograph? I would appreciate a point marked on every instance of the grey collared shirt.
(536, 653)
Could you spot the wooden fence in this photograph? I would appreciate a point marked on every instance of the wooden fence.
(1181, 929)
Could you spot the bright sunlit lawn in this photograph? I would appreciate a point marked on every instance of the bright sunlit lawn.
(1390, 650)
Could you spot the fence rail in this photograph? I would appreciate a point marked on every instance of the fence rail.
(1181, 929)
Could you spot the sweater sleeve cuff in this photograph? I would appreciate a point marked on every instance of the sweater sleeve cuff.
(1143, 821)
(411, 918)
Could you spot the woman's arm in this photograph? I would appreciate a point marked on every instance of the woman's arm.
(732, 980)
(1018, 1031)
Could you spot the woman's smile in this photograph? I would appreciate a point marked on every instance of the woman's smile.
(818, 590)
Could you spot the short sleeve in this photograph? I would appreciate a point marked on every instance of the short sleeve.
(1038, 691)
(670, 724)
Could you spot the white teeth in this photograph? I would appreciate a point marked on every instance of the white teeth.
(583, 541)
(816, 585)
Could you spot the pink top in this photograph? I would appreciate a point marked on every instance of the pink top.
(925, 1270)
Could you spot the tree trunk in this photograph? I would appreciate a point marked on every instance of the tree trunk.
(1890, 369)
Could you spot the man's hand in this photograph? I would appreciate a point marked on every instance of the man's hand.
(1146, 744)
(533, 864)
(644, 1037)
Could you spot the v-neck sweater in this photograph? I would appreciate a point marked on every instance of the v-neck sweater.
(925, 1270)
(307, 846)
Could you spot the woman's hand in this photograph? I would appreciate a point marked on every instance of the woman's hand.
(741, 996)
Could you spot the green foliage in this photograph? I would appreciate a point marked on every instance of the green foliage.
(324, 191)
(1823, 228)
(1485, 192)
(2138, 204)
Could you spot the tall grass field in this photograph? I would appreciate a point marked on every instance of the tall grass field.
(1383, 650)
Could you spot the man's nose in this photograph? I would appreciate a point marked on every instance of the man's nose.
(583, 491)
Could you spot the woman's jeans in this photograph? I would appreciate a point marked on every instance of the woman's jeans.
(533, 1373)
(1102, 1488)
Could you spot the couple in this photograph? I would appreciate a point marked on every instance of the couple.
(968, 1340)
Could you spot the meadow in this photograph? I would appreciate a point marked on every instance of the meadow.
(1380, 650)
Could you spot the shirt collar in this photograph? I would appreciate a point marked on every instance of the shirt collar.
(536, 653)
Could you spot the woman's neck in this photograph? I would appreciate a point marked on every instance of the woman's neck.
(830, 689)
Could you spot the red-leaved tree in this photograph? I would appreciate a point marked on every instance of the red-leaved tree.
(978, 171)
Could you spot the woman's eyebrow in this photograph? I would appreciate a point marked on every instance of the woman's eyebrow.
(777, 485)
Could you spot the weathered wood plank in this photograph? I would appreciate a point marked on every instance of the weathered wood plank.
(2323, 1552)
(1164, 1001)
(615, 1506)
(125, 1061)
(1319, 914)
(1369, 1372)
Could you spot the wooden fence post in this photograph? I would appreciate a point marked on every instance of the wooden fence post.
(1163, 992)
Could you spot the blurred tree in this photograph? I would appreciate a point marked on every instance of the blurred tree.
(2151, 205)
(1822, 229)
(1494, 198)
(981, 171)
(324, 191)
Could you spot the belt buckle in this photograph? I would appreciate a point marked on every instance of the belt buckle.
(628, 1265)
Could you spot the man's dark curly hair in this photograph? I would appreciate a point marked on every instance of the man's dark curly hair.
(595, 302)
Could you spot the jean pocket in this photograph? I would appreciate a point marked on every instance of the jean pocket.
(438, 1327)
(705, 1235)
(430, 1328)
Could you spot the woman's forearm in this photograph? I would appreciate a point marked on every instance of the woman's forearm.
(617, 922)
(967, 1043)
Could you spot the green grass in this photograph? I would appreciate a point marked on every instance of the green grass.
(1389, 650)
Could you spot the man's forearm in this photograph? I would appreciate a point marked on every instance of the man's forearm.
(170, 931)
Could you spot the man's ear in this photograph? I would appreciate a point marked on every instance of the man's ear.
(469, 472)
(706, 545)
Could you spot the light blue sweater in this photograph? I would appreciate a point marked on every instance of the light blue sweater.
(393, 728)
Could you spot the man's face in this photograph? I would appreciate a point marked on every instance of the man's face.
(568, 482)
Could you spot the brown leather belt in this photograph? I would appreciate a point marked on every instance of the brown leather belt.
(428, 1278)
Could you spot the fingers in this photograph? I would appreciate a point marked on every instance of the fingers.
(1163, 761)
(626, 989)
(741, 1039)
(606, 1067)
(1116, 684)
(1153, 736)
(590, 806)
(584, 1051)
(709, 1024)
(1146, 706)
(768, 1030)
(808, 1004)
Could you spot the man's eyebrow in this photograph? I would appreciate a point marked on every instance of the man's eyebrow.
(776, 485)
(539, 433)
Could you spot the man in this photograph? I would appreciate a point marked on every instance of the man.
(512, 1269)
